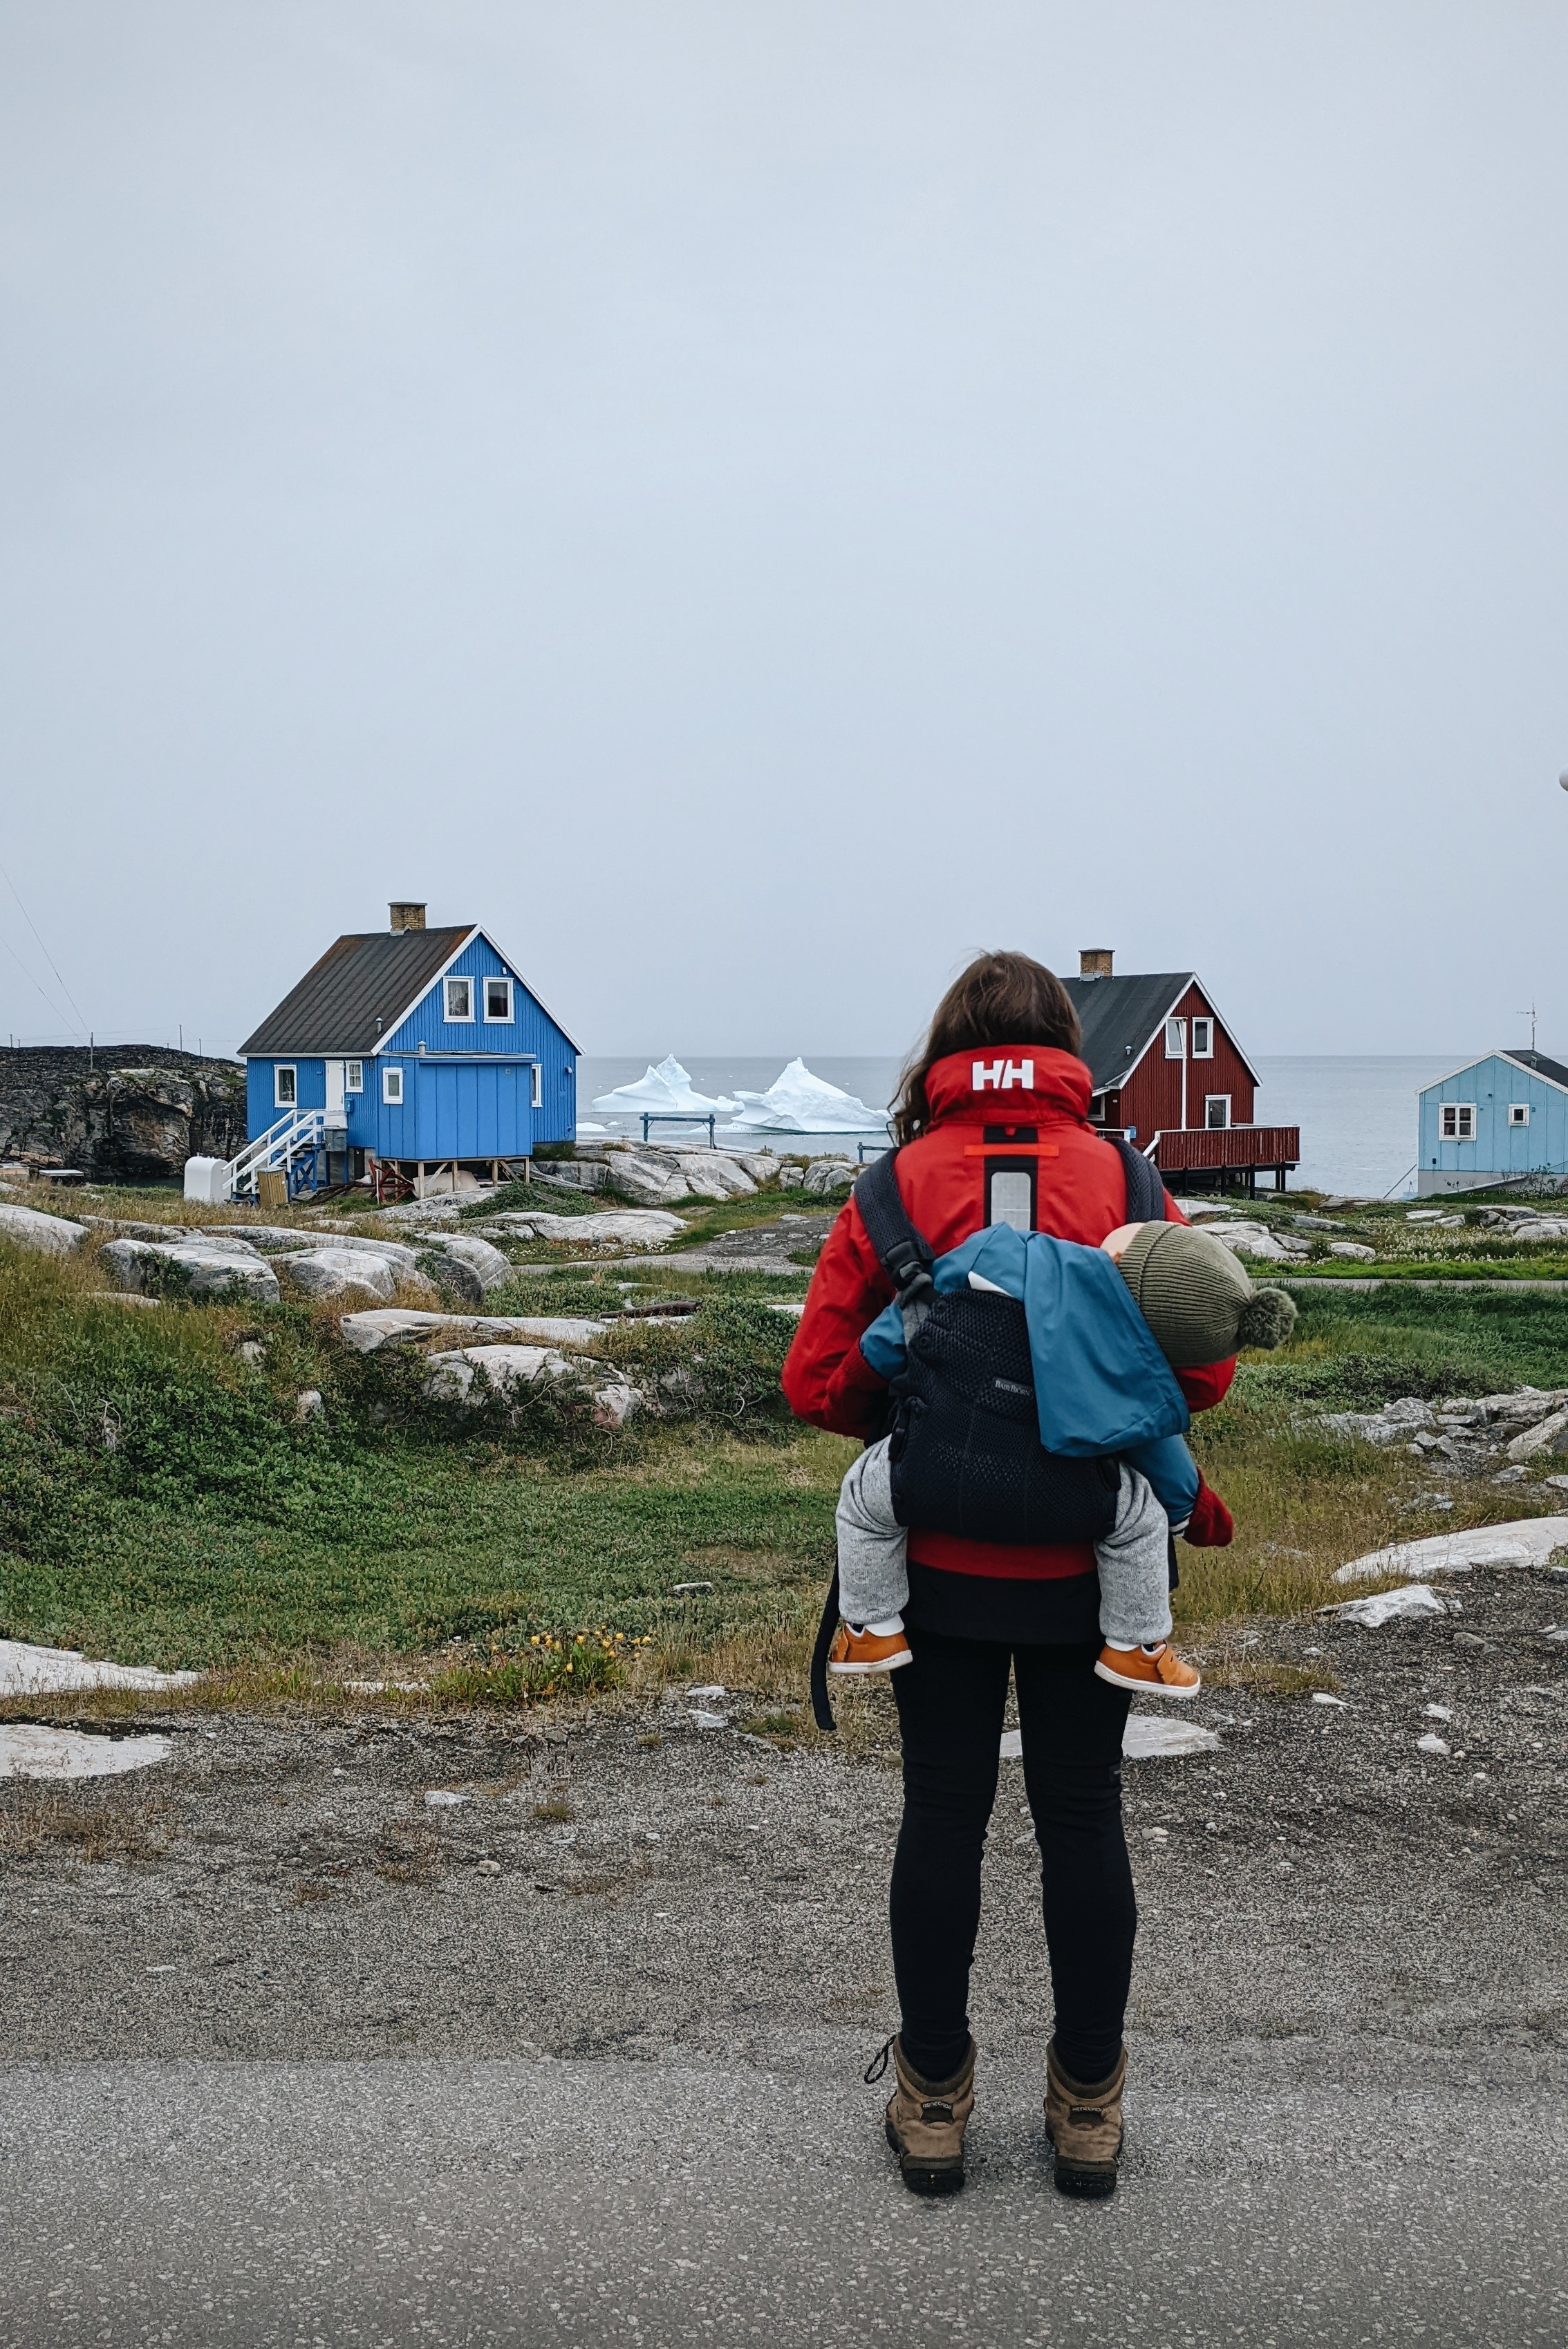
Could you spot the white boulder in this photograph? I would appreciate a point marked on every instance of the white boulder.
(1388, 1607)
(339, 1272)
(232, 1271)
(487, 1263)
(1353, 1251)
(627, 1227)
(451, 1376)
(281, 1236)
(712, 1174)
(1244, 1239)
(53, 1235)
(369, 1332)
(1547, 1435)
(1528, 1541)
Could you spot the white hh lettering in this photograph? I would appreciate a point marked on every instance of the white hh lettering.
(999, 1076)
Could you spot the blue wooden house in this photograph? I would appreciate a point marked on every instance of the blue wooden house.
(408, 1048)
(1496, 1120)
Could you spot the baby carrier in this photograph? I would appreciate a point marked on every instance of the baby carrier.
(965, 1454)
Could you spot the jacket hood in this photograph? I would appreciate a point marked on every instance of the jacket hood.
(1010, 1084)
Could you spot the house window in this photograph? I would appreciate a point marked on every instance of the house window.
(1203, 1039)
(1518, 1112)
(1457, 1121)
(498, 999)
(1176, 1039)
(460, 999)
(284, 1084)
(1216, 1109)
(392, 1087)
(353, 1076)
(536, 1087)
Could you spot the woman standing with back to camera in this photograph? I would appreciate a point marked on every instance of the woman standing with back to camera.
(993, 1124)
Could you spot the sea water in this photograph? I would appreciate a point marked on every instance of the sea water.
(1356, 1113)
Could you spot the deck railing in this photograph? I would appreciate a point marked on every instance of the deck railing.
(1202, 1149)
(297, 1132)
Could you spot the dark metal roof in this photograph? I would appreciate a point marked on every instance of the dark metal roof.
(1543, 1066)
(1117, 1013)
(354, 996)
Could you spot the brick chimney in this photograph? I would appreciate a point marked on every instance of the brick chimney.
(1094, 962)
(407, 916)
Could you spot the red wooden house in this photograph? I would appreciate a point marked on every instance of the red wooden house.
(1168, 1074)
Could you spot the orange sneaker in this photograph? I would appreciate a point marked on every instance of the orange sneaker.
(1161, 1673)
(868, 1652)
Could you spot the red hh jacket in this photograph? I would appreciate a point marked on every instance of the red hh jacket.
(1021, 1111)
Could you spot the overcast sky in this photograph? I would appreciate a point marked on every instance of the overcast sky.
(753, 502)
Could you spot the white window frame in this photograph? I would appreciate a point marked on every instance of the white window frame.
(1211, 1102)
(289, 1100)
(1202, 1039)
(499, 1019)
(1176, 1039)
(1519, 1114)
(1463, 1116)
(392, 1087)
(456, 1018)
(536, 1087)
(353, 1076)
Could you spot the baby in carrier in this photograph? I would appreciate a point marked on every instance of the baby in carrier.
(1200, 1307)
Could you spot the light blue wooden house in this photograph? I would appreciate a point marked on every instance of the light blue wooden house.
(412, 1049)
(1497, 1120)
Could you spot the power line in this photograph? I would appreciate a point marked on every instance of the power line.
(33, 982)
(48, 957)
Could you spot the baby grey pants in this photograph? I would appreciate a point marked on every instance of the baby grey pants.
(873, 1572)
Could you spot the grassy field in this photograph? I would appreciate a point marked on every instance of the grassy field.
(160, 1501)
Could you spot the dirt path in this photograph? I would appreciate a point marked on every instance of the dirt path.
(285, 1888)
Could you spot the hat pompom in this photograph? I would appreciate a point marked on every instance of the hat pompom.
(1267, 1317)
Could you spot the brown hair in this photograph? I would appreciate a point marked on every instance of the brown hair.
(1000, 999)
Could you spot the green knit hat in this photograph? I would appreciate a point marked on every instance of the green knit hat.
(1196, 1300)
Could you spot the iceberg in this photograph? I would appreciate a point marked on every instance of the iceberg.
(667, 1090)
(798, 1103)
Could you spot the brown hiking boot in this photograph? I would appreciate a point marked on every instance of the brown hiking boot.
(926, 2122)
(1085, 2125)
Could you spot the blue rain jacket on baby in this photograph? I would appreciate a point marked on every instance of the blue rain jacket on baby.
(1101, 1383)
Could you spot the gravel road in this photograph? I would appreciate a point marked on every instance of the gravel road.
(296, 2055)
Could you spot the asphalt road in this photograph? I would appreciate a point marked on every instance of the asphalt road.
(291, 2055)
(442, 2203)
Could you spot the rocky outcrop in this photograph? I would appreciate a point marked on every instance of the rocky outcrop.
(1467, 1434)
(122, 1113)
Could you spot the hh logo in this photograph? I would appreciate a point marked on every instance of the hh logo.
(1002, 1075)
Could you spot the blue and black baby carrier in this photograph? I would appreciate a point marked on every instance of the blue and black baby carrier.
(965, 1454)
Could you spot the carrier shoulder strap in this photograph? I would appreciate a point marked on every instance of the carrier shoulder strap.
(1145, 1192)
(904, 1252)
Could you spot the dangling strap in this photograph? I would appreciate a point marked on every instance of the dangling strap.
(821, 1709)
(1145, 1192)
(904, 1253)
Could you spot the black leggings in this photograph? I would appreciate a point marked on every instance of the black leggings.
(950, 1704)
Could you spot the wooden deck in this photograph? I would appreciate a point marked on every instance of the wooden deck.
(1227, 1156)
